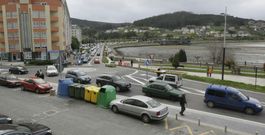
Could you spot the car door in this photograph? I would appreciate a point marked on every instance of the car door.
(139, 107)
(126, 106)
(234, 101)
(29, 85)
(159, 91)
(220, 98)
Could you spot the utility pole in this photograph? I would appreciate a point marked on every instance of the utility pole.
(223, 62)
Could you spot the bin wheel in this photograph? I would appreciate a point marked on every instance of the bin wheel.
(145, 118)
(118, 89)
(115, 109)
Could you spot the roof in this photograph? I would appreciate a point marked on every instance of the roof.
(142, 98)
(159, 83)
(222, 87)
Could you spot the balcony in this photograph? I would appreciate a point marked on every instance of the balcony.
(55, 29)
(54, 18)
(2, 40)
(1, 29)
(55, 38)
(1, 18)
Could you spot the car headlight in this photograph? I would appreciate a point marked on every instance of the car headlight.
(49, 131)
(258, 105)
(9, 119)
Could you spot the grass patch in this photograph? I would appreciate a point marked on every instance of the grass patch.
(227, 83)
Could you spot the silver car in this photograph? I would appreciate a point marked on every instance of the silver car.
(144, 107)
(51, 71)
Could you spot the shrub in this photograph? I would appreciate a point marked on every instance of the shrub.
(40, 62)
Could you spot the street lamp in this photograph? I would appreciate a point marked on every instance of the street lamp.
(223, 63)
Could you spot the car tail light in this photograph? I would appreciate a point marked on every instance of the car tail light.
(158, 113)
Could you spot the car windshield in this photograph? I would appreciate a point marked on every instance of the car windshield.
(23, 129)
(81, 73)
(242, 96)
(51, 68)
(117, 78)
(168, 87)
(153, 103)
(21, 68)
(11, 77)
(39, 81)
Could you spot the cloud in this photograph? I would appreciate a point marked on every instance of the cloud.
(131, 10)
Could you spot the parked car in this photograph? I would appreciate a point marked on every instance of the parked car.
(78, 76)
(96, 61)
(18, 70)
(86, 59)
(116, 81)
(37, 85)
(144, 107)
(111, 64)
(9, 80)
(5, 119)
(173, 80)
(51, 71)
(231, 98)
(163, 90)
(24, 129)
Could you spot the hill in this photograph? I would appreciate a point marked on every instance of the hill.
(182, 19)
(98, 26)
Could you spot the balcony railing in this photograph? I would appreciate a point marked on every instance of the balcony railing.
(54, 18)
(55, 29)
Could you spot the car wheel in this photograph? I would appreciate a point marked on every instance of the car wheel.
(145, 118)
(114, 109)
(210, 104)
(249, 111)
(118, 89)
(37, 91)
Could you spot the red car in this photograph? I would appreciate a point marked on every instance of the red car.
(96, 61)
(37, 85)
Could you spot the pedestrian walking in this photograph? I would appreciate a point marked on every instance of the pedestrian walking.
(210, 71)
(41, 75)
(207, 71)
(131, 63)
(182, 103)
(37, 74)
(158, 72)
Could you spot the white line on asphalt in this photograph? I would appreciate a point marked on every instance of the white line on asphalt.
(200, 91)
(135, 80)
(190, 92)
(140, 78)
(136, 71)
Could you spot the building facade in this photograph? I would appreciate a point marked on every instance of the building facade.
(34, 29)
(77, 32)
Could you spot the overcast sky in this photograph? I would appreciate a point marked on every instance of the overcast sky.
(117, 11)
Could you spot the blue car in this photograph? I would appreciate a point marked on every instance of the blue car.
(231, 98)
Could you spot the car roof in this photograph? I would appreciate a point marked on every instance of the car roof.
(141, 98)
(223, 88)
(159, 83)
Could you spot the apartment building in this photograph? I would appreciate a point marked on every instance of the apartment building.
(34, 29)
(77, 32)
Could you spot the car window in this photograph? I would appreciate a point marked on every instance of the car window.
(39, 81)
(242, 96)
(233, 96)
(153, 86)
(29, 81)
(129, 101)
(153, 103)
(140, 104)
(211, 92)
(51, 68)
(170, 78)
(217, 93)
(168, 87)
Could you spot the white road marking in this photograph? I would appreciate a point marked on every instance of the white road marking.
(200, 91)
(135, 80)
(140, 78)
(136, 71)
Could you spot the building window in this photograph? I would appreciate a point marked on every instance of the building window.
(11, 14)
(38, 14)
(39, 24)
(13, 36)
(11, 25)
(40, 35)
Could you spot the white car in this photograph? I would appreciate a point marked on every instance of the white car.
(144, 107)
(51, 71)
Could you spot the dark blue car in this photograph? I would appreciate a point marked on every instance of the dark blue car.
(231, 98)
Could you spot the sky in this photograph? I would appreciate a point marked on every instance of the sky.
(120, 11)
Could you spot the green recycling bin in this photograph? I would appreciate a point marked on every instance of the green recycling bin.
(79, 91)
(72, 90)
(106, 94)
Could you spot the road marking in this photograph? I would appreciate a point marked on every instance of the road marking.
(166, 124)
(200, 91)
(208, 132)
(140, 78)
(136, 71)
(180, 127)
(135, 80)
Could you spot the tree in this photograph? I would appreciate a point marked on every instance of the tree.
(75, 43)
(175, 61)
(182, 56)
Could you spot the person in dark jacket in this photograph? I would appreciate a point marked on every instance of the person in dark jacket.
(41, 75)
(37, 74)
(182, 103)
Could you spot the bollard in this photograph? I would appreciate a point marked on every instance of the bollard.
(199, 122)
(176, 116)
(225, 129)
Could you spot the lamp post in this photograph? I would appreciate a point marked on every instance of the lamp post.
(223, 62)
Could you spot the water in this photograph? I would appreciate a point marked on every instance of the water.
(251, 53)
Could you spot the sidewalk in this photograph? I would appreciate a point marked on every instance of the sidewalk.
(235, 78)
